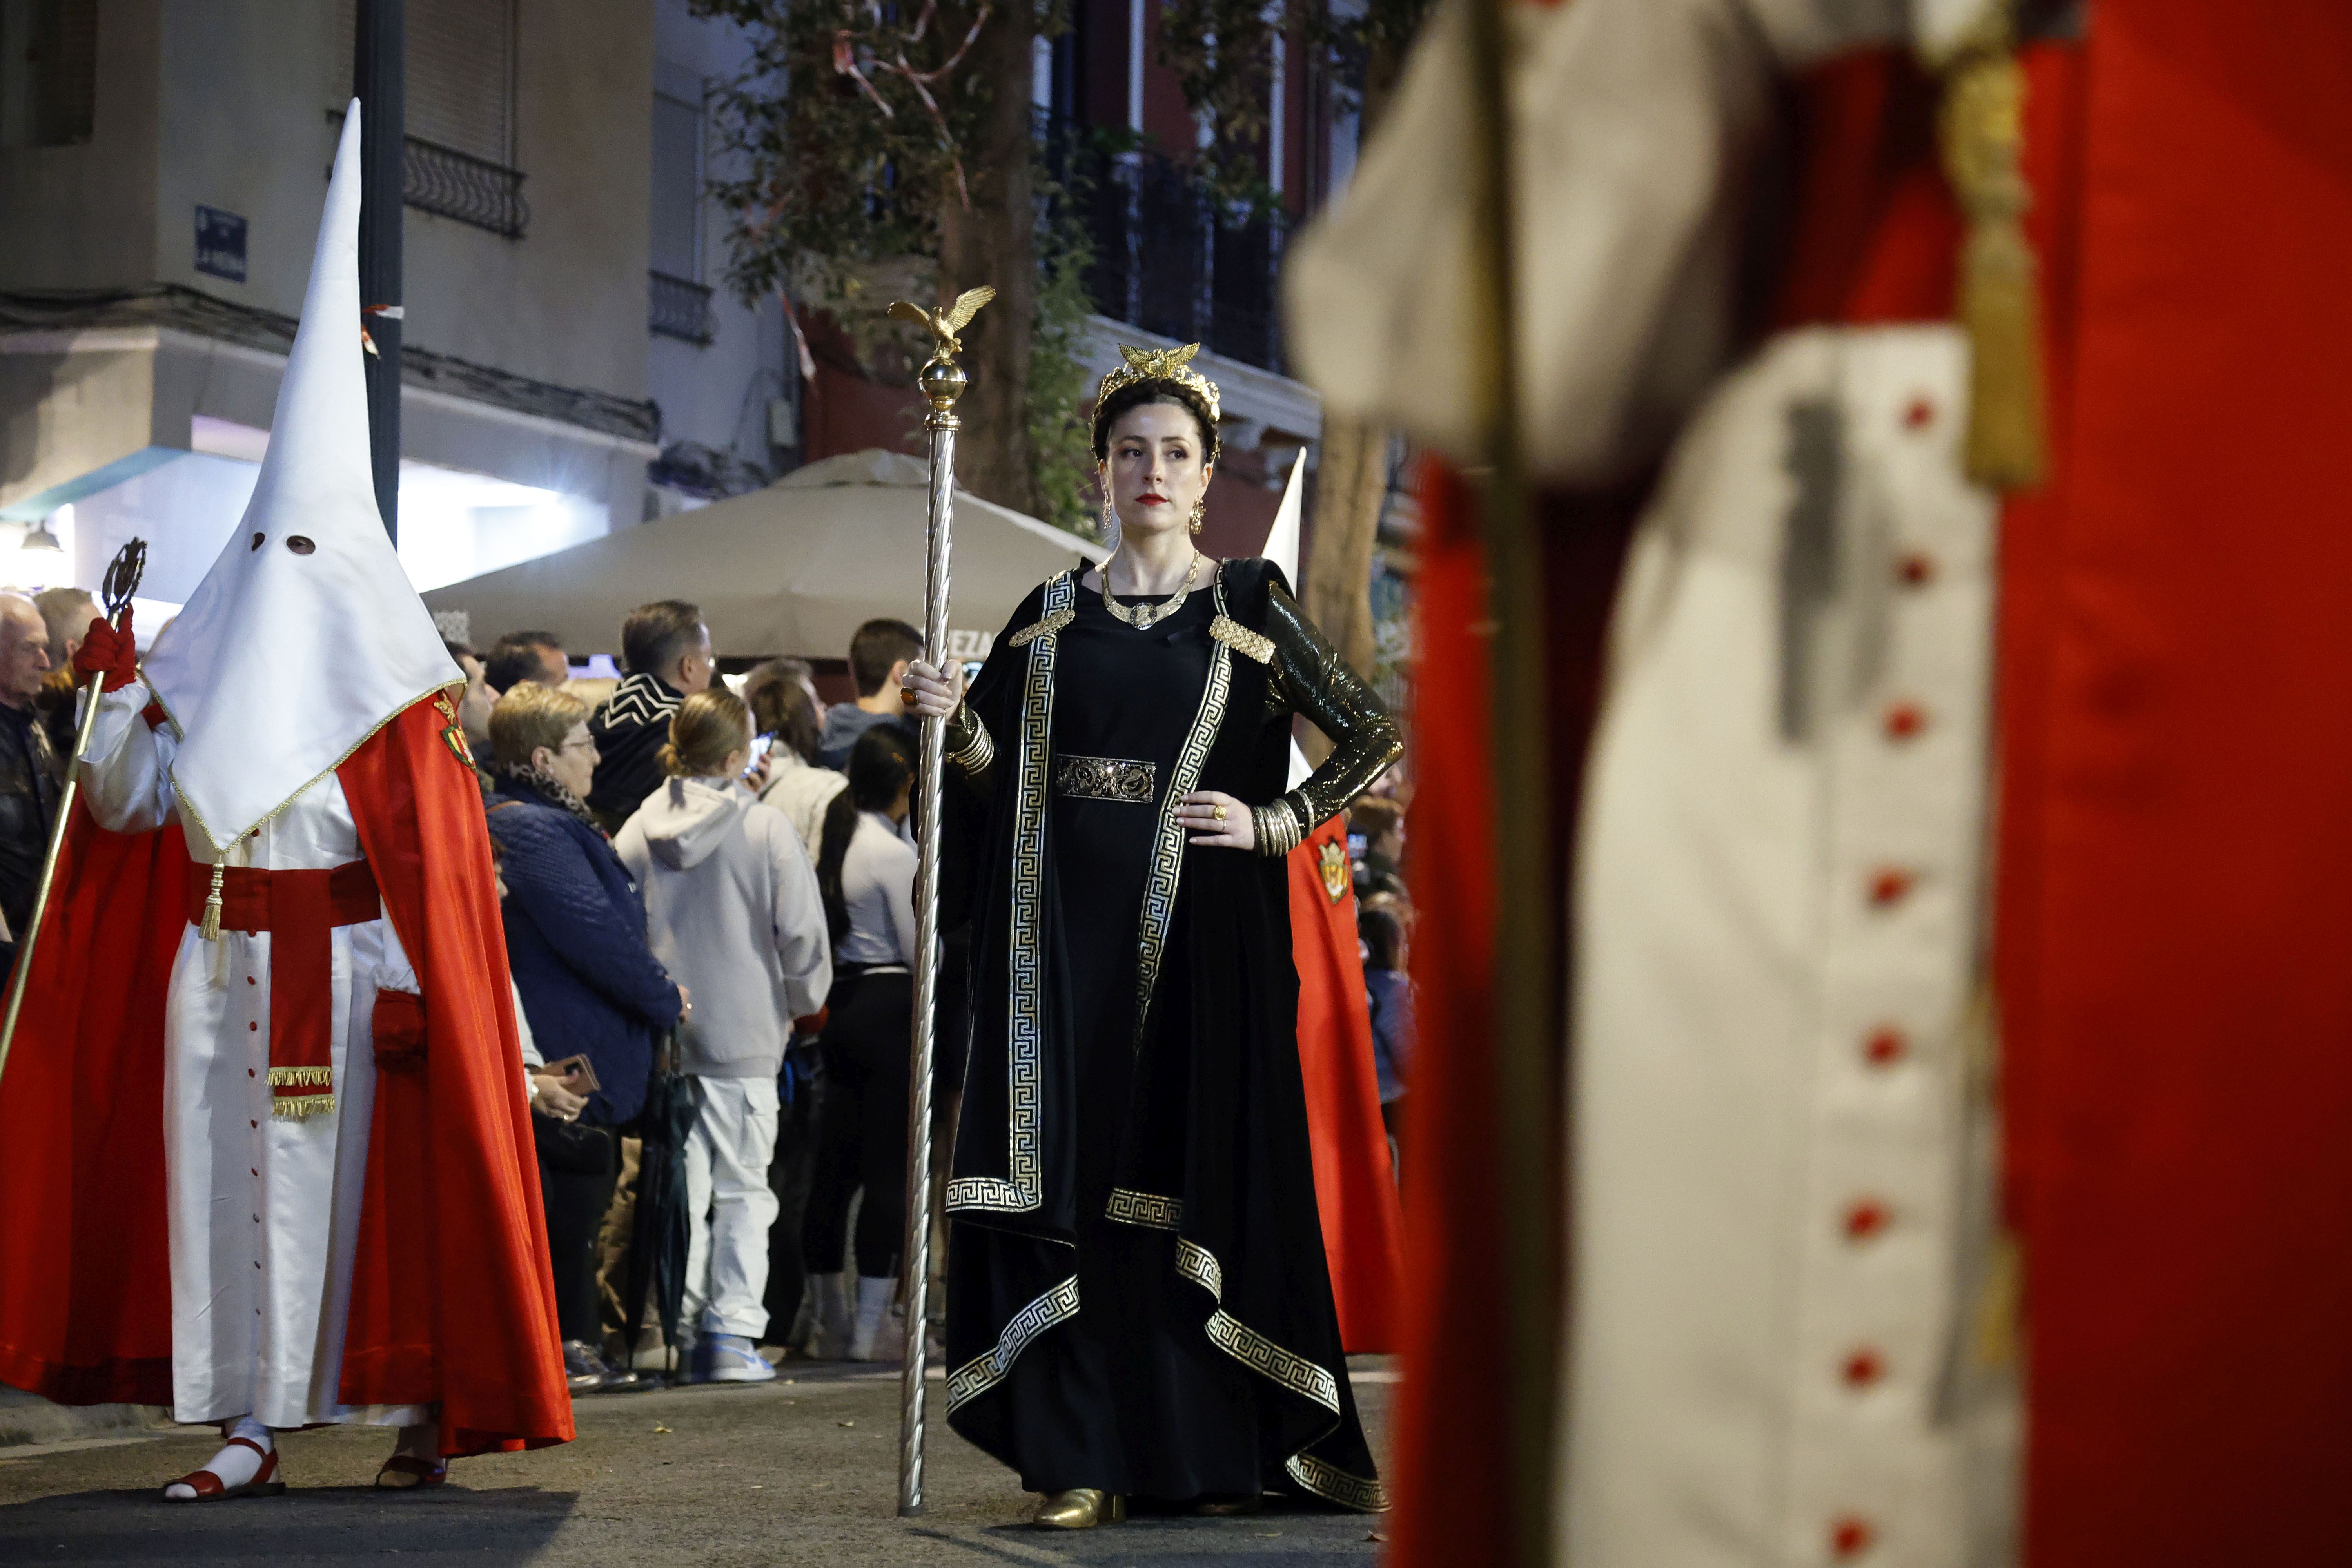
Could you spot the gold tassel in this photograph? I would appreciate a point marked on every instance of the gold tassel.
(301, 1105)
(209, 927)
(1983, 133)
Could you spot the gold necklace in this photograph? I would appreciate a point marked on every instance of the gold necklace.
(1140, 616)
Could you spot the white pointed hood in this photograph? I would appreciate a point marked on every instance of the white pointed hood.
(1282, 549)
(285, 661)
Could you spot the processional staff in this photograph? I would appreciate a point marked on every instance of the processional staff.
(942, 381)
(122, 575)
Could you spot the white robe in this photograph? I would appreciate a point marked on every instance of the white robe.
(264, 1211)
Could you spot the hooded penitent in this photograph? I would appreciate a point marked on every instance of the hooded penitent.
(293, 805)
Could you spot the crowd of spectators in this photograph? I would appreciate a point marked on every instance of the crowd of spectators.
(708, 877)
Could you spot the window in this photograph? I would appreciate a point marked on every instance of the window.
(676, 234)
(48, 72)
(680, 301)
(460, 73)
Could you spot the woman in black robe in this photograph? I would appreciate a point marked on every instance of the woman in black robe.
(1137, 1302)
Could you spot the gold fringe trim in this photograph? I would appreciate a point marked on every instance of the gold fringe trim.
(1982, 135)
(304, 1105)
(300, 1078)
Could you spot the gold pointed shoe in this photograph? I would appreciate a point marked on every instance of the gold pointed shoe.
(1080, 1507)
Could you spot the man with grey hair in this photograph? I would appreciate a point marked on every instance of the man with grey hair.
(29, 781)
(66, 613)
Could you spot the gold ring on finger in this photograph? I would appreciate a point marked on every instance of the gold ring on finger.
(1220, 813)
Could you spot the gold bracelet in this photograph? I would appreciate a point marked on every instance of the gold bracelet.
(1276, 828)
(975, 755)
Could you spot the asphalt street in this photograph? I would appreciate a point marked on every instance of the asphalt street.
(797, 1472)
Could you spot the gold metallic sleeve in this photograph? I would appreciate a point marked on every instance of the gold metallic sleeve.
(1311, 679)
(969, 747)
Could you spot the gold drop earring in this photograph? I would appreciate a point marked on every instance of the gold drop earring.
(1109, 512)
(1200, 514)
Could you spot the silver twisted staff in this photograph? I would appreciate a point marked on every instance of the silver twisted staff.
(942, 381)
(122, 575)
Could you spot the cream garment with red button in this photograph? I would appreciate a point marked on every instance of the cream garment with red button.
(1780, 1159)
(264, 1210)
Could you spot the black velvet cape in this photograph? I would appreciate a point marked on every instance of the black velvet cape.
(1214, 1144)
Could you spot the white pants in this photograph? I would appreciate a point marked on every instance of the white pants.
(726, 1192)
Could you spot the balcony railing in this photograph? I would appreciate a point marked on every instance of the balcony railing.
(452, 184)
(1168, 256)
(679, 308)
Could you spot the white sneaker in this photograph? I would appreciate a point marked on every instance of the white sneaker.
(880, 1332)
(727, 1358)
(831, 1340)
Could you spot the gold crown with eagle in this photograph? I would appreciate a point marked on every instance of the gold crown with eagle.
(1169, 367)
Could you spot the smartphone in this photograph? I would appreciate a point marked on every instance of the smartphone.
(760, 744)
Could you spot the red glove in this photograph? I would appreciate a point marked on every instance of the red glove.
(114, 652)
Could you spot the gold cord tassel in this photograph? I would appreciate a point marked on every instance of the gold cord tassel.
(1982, 135)
(209, 927)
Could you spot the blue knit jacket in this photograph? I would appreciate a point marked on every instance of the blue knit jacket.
(576, 939)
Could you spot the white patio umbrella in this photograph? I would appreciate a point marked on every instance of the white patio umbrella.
(793, 569)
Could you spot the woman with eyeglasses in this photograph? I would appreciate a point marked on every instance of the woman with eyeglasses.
(590, 983)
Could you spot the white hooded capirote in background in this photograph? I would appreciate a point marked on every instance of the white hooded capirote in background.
(303, 640)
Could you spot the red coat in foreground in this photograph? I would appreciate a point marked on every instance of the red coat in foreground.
(451, 1298)
(1354, 1184)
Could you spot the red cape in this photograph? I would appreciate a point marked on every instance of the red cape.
(1355, 1185)
(451, 1295)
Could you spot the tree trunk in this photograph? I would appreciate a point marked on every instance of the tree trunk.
(995, 241)
(1351, 487)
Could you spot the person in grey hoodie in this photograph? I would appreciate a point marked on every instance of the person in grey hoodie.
(733, 912)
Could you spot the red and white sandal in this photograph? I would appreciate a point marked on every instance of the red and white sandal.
(408, 1473)
(207, 1486)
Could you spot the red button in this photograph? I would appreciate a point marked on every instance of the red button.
(253, 1124)
(1852, 1536)
(1863, 1367)
(1890, 885)
(1905, 720)
(248, 979)
(253, 1025)
(1865, 1219)
(1886, 1047)
(249, 1072)
(1916, 569)
(1919, 415)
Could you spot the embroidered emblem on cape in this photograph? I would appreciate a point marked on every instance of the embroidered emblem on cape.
(454, 733)
(1105, 778)
(1336, 874)
(1022, 1187)
(1240, 638)
(1054, 621)
(982, 1373)
(1167, 839)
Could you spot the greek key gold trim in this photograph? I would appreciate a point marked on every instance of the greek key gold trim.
(1168, 840)
(1052, 621)
(1245, 1344)
(1022, 1188)
(1105, 778)
(1149, 1210)
(1332, 1484)
(1250, 644)
(982, 1373)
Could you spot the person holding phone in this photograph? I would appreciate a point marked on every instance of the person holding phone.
(590, 988)
(732, 907)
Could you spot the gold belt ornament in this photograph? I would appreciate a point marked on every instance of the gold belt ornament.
(1107, 778)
